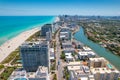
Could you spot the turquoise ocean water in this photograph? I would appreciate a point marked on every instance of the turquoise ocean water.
(11, 26)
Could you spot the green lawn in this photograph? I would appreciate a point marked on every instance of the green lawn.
(7, 72)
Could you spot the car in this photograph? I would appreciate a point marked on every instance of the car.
(58, 62)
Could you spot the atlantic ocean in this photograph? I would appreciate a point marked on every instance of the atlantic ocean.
(11, 26)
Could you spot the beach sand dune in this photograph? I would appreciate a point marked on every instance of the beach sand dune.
(14, 43)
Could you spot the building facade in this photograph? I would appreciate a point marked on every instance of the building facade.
(40, 74)
(46, 28)
(34, 54)
(65, 34)
(49, 36)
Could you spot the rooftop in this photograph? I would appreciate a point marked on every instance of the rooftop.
(98, 59)
(64, 29)
(83, 53)
(66, 43)
(79, 72)
(103, 70)
(18, 73)
(92, 53)
(62, 36)
(74, 63)
(84, 78)
(87, 48)
(51, 49)
(34, 44)
(68, 55)
(40, 73)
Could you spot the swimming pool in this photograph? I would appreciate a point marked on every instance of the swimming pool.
(110, 66)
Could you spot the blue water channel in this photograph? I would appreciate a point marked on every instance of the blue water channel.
(101, 51)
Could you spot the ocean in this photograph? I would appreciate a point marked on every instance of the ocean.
(11, 26)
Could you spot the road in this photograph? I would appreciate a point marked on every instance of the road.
(59, 66)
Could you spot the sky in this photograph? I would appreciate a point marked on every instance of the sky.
(60, 7)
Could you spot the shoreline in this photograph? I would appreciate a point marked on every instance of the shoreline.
(9, 46)
(21, 26)
(14, 43)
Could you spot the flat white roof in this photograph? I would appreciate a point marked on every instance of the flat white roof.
(87, 48)
(68, 55)
(51, 49)
(91, 76)
(69, 49)
(83, 78)
(62, 36)
(98, 59)
(63, 32)
(74, 63)
(100, 70)
(75, 68)
(103, 70)
(51, 58)
(83, 53)
(91, 52)
(67, 43)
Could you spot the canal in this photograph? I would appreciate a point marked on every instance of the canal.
(101, 51)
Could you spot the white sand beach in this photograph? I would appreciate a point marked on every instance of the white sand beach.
(15, 42)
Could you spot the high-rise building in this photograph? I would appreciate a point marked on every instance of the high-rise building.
(34, 54)
(55, 26)
(49, 36)
(46, 28)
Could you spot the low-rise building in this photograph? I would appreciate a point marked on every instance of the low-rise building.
(72, 26)
(76, 63)
(65, 34)
(98, 62)
(52, 54)
(68, 57)
(77, 44)
(78, 72)
(85, 48)
(82, 55)
(18, 74)
(105, 73)
(91, 54)
(103, 70)
(85, 54)
(91, 77)
(40, 74)
(66, 44)
(69, 50)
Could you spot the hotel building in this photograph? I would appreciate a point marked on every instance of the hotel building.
(34, 54)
